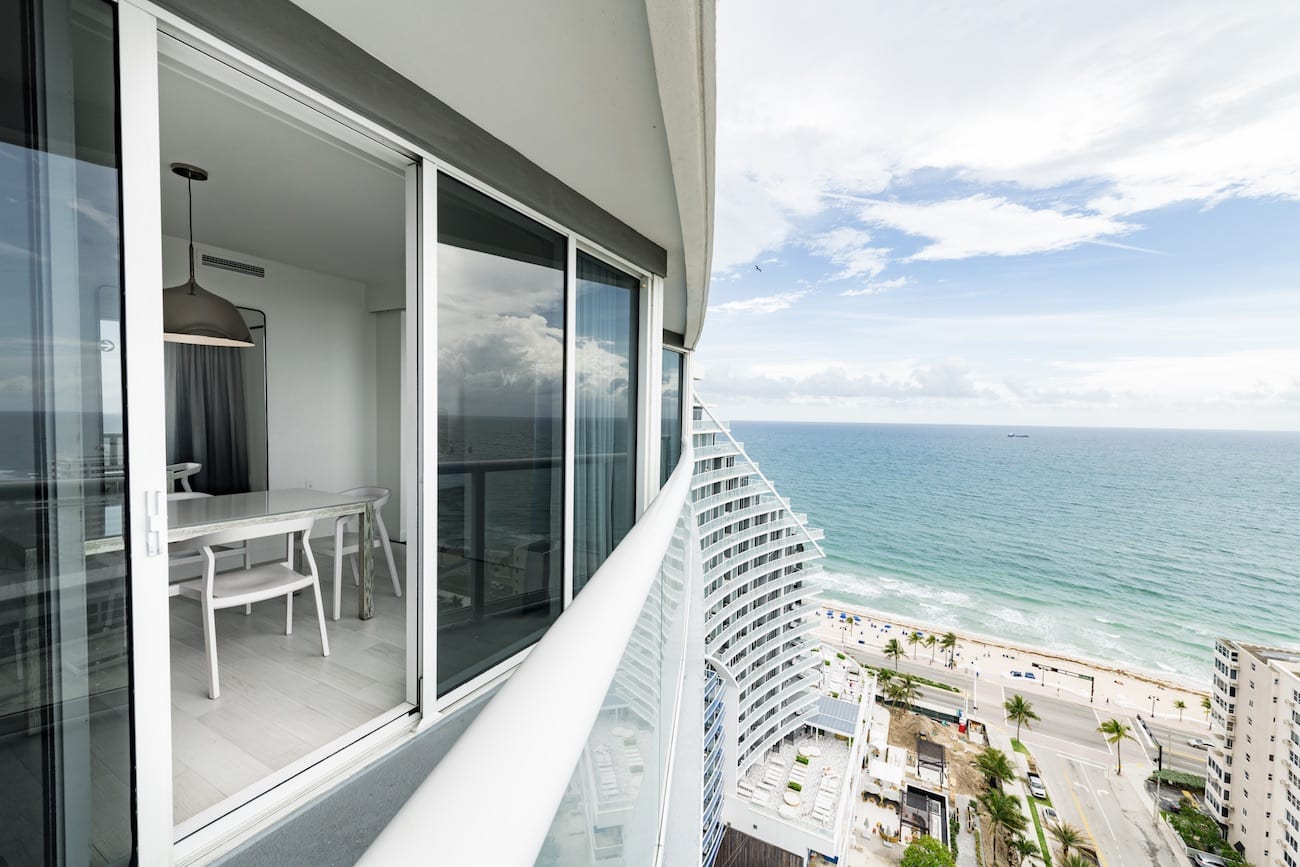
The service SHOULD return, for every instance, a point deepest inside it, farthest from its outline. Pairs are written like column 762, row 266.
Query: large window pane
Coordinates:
column 604, row 504
column 501, row 279
column 65, row 747
column 670, row 426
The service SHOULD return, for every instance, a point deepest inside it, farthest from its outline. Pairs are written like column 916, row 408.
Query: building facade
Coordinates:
column 759, row 578
column 1253, row 769
column 450, row 262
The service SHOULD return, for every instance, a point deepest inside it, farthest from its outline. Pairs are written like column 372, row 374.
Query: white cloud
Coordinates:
column 894, row 381
column 850, row 249
column 877, row 287
column 982, row 225
column 1148, row 104
column 763, row 304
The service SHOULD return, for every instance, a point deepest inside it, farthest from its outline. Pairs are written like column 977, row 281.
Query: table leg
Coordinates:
column 366, row 553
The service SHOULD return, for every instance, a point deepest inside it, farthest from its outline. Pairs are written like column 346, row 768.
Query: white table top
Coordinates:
column 190, row 518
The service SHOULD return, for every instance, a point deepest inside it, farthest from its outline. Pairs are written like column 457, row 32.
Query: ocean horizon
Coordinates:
column 1134, row 547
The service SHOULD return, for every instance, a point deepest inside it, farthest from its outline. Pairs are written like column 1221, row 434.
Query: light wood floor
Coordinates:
column 280, row 699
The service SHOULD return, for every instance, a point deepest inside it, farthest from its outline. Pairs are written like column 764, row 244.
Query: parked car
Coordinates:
column 1036, row 787
column 1050, row 817
column 1017, row 674
column 1199, row 744
column 1030, row 675
column 1208, row 859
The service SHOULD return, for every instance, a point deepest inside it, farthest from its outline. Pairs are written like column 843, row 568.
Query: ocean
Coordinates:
column 1133, row 547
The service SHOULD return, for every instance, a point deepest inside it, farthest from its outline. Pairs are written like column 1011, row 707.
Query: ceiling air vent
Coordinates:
column 232, row 265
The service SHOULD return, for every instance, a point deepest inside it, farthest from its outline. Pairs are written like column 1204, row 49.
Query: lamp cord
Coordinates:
column 189, row 195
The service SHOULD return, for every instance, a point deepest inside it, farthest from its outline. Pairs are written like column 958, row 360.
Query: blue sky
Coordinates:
column 1016, row 214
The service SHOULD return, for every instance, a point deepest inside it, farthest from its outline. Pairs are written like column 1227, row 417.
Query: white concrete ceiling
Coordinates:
column 571, row 84
column 280, row 189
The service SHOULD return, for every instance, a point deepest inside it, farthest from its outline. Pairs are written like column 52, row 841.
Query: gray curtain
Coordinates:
column 206, row 416
column 605, row 455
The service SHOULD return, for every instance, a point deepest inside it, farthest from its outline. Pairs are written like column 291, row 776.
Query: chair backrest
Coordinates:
column 186, row 495
column 381, row 496
column 259, row 530
column 181, row 473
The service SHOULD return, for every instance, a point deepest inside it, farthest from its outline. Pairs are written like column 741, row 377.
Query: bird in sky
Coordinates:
column 758, row 269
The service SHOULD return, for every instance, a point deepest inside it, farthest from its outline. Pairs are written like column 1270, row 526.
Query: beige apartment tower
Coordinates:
column 1253, row 769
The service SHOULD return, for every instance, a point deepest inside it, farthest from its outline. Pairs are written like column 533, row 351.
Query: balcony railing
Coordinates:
column 569, row 762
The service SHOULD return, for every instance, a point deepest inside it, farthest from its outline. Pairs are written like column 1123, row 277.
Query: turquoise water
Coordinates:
column 1136, row 547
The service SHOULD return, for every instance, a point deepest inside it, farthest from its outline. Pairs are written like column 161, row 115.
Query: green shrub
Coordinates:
column 834, row 694
column 1180, row 780
column 803, row 760
column 828, row 662
column 926, row 852
column 793, row 785
column 840, row 656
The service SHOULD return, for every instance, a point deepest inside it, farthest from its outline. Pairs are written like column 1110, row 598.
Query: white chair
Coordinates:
column 267, row 581
column 182, row 473
column 347, row 541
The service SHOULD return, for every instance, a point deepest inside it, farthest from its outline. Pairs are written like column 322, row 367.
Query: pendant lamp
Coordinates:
column 192, row 314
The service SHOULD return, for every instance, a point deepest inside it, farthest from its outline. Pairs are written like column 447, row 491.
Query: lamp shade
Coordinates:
column 192, row 314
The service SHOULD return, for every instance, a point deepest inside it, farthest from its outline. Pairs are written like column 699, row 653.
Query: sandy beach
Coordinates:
column 993, row 661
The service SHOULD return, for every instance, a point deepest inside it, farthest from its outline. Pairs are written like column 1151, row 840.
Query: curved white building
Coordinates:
column 759, row 579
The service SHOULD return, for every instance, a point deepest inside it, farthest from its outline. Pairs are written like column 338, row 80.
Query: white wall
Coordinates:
column 322, row 374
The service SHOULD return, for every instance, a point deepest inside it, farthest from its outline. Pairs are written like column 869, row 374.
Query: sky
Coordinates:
column 1030, row 213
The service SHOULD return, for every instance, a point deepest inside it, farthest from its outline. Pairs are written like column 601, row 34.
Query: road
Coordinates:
column 1179, row 756
column 1065, row 718
column 1076, row 763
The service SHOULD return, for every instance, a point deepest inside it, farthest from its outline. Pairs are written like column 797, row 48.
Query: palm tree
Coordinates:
column 1075, row 860
column 1115, row 732
column 1205, row 706
column 908, row 689
column 1023, row 848
column 1065, row 836
column 894, row 651
column 914, row 639
column 1019, row 711
column 949, row 643
column 1180, row 706
column 930, row 641
column 1004, row 815
column 995, row 765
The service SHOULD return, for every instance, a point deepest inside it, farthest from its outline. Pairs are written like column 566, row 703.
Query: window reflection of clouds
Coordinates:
column 501, row 336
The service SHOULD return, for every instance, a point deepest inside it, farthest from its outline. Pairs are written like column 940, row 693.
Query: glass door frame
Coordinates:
column 139, row 28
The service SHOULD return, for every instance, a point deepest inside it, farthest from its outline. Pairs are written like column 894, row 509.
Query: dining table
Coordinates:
column 191, row 518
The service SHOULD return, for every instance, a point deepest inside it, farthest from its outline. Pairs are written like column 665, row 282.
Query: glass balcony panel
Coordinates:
column 611, row 812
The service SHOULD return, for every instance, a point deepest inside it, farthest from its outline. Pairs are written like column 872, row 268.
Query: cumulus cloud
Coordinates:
column 762, row 304
column 982, row 225
column 850, row 249
column 1147, row 105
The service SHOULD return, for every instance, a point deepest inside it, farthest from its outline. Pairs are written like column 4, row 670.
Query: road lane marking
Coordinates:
column 1101, row 809
column 1034, row 737
column 1101, row 856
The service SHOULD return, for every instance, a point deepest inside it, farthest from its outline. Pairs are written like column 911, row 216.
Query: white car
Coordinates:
column 1036, row 787
column 1199, row 744
column 1050, row 817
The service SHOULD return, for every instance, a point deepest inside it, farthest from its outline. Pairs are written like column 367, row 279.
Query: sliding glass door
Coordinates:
column 65, row 706
column 604, row 507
